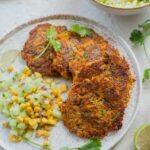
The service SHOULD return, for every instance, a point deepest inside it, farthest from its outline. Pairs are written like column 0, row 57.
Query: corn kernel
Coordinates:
column 29, row 109
column 59, row 103
column 48, row 81
column 44, row 120
column 47, row 128
column 48, row 107
column 15, row 99
column 27, row 71
column 8, row 106
column 14, row 92
column 42, row 133
column 32, row 115
column 23, row 106
column 39, row 132
column 34, row 89
column 27, row 97
column 33, row 123
column 14, row 138
column 37, row 109
column 63, row 88
column 56, row 92
column 36, row 104
column 49, row 112
column 36, row 114
column 38, row 120
column 28, row 104
column 51, row 121
column 10, row 68
column 27, row 120
column 45, row 106
column 44, row 113
column 38, row 74
column 45, row 134
column 19, row 119
column 59, row 99
column 45, row 144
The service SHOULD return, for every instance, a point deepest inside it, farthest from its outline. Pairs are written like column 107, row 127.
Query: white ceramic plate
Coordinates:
column 60, row 136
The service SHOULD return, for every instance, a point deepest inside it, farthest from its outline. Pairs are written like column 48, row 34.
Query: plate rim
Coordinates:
column 97, row 23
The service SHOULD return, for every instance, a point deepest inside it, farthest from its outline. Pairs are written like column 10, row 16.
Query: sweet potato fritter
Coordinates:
column 98, row 97
column 75, row 52
column 69, row 43
column 34, row 46
column 87, row 112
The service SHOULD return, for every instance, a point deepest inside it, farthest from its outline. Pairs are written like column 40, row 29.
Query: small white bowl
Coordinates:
column 122, row 11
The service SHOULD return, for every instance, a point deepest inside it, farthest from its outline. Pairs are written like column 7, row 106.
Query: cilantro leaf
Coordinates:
column 51, row 35
column 146, row 74
column 56, row 45
column 81, row 30
column 93, row 144
column 137, row 37
column 145, row 25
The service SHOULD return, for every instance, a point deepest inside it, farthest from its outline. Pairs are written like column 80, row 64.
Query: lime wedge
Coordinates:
column 142, row 138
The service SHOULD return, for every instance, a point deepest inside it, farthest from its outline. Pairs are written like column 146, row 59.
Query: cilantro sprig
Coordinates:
column 81, row 30
column 93, row 144
column 138, row 37
column 51, row 35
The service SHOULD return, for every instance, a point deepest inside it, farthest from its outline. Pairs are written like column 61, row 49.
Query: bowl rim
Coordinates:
column 120, row 8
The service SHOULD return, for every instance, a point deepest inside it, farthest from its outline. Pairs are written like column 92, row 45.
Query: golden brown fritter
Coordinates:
column 98, row 97
column 87, row 112
column 75, row 52
column 111, row 64
column 69, row 43
column 34, row 46
column 88, row 50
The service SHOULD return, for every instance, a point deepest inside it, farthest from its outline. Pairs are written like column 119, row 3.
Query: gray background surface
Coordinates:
column 16, row 12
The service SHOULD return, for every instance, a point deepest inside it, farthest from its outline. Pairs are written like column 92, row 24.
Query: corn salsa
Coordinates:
column 30, row 104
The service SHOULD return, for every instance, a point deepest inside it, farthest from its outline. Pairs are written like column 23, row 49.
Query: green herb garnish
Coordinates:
column 93, row 144
column 146, row 74
column 81, row 30
column 51, row 35
column 138, row 37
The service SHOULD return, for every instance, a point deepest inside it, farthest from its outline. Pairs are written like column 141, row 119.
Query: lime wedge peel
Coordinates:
column 142, row 138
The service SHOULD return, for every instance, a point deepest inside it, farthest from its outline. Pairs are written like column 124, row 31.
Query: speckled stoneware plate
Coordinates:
column 60, row 136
